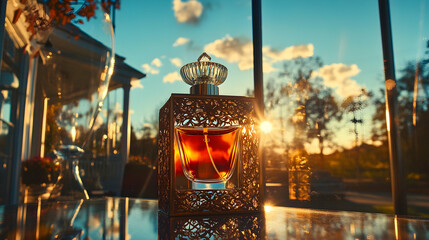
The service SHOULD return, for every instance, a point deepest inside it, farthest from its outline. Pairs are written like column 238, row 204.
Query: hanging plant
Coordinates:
column 43, row 14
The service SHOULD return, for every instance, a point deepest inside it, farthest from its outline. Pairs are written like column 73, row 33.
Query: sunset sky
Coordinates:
column 158, row 37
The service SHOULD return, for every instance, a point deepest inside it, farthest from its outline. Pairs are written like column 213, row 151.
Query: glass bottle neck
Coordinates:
column 205, row 89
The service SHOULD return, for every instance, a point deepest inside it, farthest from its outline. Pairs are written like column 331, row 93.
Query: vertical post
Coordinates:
column 30, row 107
column 396, row 162
column 43, row 131
column 126, row 128
column 108, row 143
column 126, row 131
column 3, row 5
column 19, row 130
column 258, row 76
column 123, row 221
column 3, row 190
column 257, row 54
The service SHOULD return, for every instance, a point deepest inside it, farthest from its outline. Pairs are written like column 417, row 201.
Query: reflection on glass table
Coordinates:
column 123, row 218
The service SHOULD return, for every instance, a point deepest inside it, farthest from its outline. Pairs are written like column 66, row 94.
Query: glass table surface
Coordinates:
column 123, row 218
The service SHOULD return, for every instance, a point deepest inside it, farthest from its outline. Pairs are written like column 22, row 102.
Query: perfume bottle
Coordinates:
column 208, row 159
column 208, row 154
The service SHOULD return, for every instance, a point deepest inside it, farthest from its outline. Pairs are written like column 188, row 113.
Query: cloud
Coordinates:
column 289, row 53
column 148, row 69
column 268, row 66
column 187, row 12
column 176, row 62
column 156, row 62
column 153, row 67
column 338, row 76
column 172, row 77
column 94, row 221
column 240, row 51
column 272, row 56
column 117, row 107
column 136, row 84
column 180, row 41
column 233, row 50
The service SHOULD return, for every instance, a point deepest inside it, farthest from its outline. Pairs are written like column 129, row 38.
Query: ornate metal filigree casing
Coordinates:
column 244, row 191
column 243, row 226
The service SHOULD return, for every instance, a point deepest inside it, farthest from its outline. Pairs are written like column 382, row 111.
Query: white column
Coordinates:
column 126, row 126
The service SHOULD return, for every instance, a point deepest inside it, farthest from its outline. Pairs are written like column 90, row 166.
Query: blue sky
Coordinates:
column 147, row 31
column 158, row 37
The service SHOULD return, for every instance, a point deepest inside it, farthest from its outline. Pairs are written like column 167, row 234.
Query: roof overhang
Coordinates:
column 71, row 66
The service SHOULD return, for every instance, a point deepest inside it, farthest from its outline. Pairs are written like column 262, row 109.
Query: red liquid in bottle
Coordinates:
column 208, row 154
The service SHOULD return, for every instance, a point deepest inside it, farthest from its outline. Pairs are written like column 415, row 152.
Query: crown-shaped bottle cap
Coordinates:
column 204, row 76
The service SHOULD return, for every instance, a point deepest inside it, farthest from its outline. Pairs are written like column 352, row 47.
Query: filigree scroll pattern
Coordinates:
column 163, row 158
column 241, row 226
column 231, row 227
column 219, row 112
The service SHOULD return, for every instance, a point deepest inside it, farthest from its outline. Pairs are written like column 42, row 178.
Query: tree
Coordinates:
column 44, row 14
column 145, row 148
column 413, row 87
column 354, row 104
column 413, row 116
column 314, row 106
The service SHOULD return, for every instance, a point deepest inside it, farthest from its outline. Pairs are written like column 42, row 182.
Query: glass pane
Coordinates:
column 6, row 137
column 323, row 71
column 411, row 49
column 73, row 78
column 8, row 84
